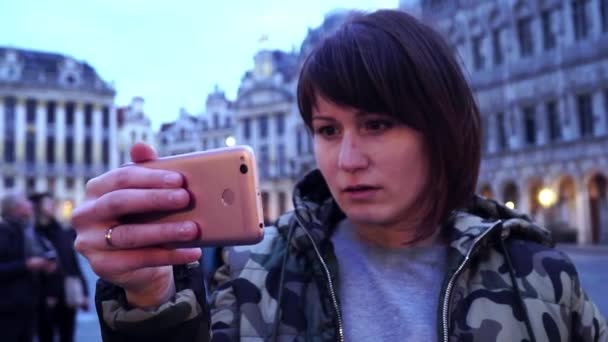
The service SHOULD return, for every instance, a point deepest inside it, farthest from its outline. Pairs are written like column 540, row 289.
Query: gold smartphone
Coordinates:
column 225, row 196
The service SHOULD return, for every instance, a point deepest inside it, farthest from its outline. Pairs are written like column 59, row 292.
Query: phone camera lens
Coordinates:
column 244, row 169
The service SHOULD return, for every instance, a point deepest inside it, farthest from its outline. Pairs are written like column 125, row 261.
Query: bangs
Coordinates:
column 347, row 70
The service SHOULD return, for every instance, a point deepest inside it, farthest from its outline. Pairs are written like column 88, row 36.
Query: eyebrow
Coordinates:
column 359, row 114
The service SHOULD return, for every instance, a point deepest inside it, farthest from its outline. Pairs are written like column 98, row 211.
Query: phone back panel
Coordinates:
column 226, row 202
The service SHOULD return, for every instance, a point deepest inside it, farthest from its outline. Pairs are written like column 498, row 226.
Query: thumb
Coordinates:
column 141, row 152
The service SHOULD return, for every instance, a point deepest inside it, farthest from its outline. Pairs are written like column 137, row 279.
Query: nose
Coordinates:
column 351, row 158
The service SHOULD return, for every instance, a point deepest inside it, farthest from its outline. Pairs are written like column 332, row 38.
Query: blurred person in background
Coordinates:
column 387, row 241
column 65, row 290
column 24, row 259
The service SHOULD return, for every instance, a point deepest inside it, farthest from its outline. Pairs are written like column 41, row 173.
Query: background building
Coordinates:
column 540, row 73
column 265, row 113
column 133, row 126
column 57, row 124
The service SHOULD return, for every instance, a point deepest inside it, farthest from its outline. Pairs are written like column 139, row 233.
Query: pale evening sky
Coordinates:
column 170, row 52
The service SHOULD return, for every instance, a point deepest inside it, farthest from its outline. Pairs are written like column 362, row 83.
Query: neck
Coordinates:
column 395, row 236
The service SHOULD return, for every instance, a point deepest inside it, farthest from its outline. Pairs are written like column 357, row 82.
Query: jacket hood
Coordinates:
column 316, row 211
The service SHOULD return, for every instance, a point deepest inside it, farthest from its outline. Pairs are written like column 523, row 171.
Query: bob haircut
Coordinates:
column 388, row 62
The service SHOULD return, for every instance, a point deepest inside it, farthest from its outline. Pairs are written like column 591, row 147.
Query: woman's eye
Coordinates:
column 376, row 126
column 326, row 131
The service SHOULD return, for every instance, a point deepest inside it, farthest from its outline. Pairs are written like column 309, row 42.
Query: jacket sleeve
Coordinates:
column 184, row 318
column 588, row 324
column 224, row 307
column 9, row 266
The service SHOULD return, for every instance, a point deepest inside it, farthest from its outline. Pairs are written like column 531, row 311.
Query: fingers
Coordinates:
column 110, row 263
column 141, row 152
column 111, row 206
column 133, row 177
column 131, row 236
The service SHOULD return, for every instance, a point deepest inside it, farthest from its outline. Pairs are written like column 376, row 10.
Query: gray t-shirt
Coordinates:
column 388, row 294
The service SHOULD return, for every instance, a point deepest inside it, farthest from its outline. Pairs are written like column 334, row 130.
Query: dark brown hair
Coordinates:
column 389, row 62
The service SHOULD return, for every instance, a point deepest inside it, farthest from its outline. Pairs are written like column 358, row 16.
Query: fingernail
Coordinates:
column 178, row 196
column 186, row 230
column 173, row 179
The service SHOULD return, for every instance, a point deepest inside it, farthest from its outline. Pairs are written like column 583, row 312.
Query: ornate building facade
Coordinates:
column 266, row 115
column 133, row 126
column 540, row 73
column 57, row 123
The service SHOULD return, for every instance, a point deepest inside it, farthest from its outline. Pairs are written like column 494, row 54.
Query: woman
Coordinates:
column 387, row 240
column 65, row 290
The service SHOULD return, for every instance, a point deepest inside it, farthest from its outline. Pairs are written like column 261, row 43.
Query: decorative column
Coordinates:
column 41, row 146
column 96, row 137
column 60, row 157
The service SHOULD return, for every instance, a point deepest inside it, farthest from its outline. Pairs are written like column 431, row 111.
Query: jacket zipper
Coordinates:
column 330, row 283
column 449, row 288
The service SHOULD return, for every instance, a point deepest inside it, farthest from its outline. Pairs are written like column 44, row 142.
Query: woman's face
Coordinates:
column 375, row 167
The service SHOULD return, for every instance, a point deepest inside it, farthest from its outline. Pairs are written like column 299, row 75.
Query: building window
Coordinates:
column 9, row 182
column 204, row 143
column 280, row 124
column 549, row 39
column 50, row 112
column 30, row 147
column 69, row 183
column 553, row 121
column 266, row 207
column 69, row 150
column 50, row 185
column 9, row 129
column 30, row 135
column 263, row 121
column 70, row 108
column 216, row 121
column 50, row 150
column 228, row 122
column 524, row 34
column 88, row 151
column 30, row 114
column 606, row 108
column 247, row 128
column 501, row 129
column 282, row 202
column 497, row 54
column 88, row 115
column 299, row 142
column 580, row 19
column 105, row 122
column 530, row 124
column 281, row 160
column 585, row 114
column 30, row 184
column 478, row 58
column 105, row 152
column 484, row 133
column 604, row 14
column 264, row 161
column 133, row 137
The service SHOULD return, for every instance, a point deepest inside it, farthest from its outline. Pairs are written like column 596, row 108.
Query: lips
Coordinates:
column 360, row 188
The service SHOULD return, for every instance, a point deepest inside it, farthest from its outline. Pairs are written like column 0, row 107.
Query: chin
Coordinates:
column 368, row 216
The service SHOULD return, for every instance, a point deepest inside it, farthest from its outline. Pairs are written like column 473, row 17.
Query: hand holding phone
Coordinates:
column 225, row 201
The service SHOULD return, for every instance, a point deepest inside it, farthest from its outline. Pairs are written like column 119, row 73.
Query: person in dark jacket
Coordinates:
column 387, row 240
column 23, row 260
column 65, row 290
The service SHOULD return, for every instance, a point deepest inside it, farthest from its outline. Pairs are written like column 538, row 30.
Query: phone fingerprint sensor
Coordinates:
column 227, row 197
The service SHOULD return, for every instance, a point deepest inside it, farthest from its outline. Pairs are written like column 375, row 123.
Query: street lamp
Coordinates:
column 230, row 141
column 547, row 197
column 66, row 210
column 510, row 205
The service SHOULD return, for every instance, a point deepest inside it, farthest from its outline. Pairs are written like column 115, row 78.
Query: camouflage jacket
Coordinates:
column 504, row 282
